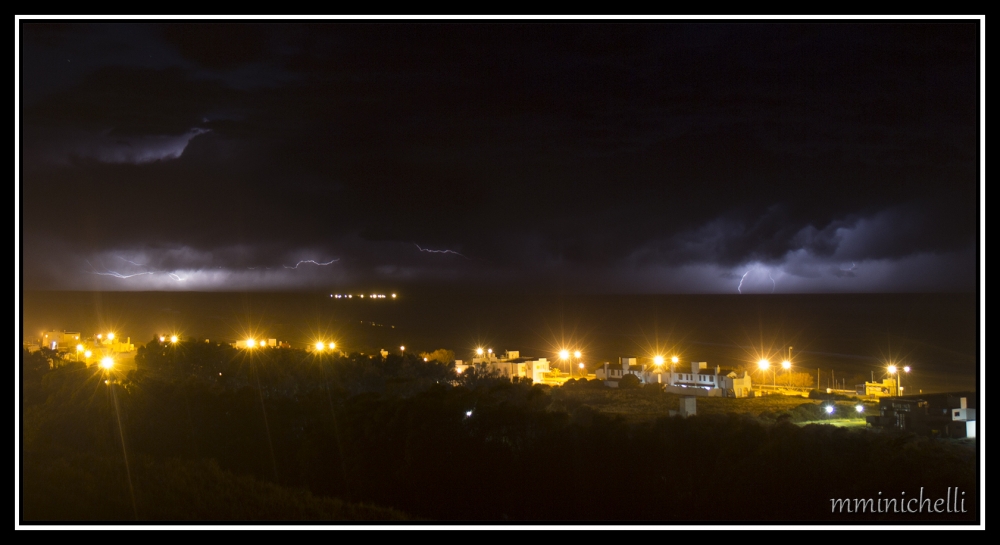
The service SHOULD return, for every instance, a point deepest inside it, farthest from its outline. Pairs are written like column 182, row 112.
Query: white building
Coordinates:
column 510, row 365
column 877, row 389
column 698, row 380
column 612, row 373
column 60, row 340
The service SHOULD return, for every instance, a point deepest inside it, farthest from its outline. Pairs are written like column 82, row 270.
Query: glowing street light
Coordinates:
column 674, row 359
column 564, row 354
column 658, row 360
column 582, row 366
column 479, row 351
column 251, row 343
column 320, row 346
column 173, row 339
column 263, row 343
column 107, row 362
column 111, row 336
column 79, row 348
column 162, row 338
column 87, row 354
column 892, row 369
column 828, row 409
column 576, row 354
column 764, row 365
column 859, row 408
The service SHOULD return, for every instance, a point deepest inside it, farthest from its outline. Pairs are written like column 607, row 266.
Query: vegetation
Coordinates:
column 222, row 434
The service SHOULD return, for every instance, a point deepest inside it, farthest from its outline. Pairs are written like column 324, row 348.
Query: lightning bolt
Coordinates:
column 739, row 288
column 312, row 262
column 129, row 261
column 438, row 251
column 177, row 278
column 773, row 285
column 116, row 274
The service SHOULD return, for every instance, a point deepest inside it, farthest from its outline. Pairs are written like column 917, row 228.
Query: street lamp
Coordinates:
column 581, row 368
column 764, row 365
column 892, row 371
column 173, row 339
column 787, row 366
column 658, row 361
column 906, row 369
column 564, row 356
column 79, row 348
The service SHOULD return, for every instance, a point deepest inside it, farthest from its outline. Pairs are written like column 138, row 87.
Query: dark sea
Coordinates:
column 842, row 337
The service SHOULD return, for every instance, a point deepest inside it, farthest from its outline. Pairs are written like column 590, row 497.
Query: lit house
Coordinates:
column 60, row 340
column 112, row 344
column 510, row 365
column 701, row 381
column 613, row 373
column 877, row 389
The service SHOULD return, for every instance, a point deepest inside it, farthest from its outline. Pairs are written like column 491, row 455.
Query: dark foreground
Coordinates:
column 201, row 432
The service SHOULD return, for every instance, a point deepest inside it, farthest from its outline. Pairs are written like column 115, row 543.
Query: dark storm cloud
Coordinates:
column 538, row 151
column 218, row 46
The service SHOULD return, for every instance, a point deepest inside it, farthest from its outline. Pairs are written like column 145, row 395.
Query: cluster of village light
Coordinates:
column 362, row 296
column 763, row 364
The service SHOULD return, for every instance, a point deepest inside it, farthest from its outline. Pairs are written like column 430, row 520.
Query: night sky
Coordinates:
column 666, row 157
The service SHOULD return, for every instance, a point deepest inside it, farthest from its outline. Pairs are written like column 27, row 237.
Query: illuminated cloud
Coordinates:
column 106, row 147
